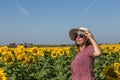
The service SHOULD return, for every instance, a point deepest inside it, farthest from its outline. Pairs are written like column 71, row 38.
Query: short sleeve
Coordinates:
column 91, row 51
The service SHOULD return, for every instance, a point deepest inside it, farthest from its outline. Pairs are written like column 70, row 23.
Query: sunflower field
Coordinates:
column 53, row 63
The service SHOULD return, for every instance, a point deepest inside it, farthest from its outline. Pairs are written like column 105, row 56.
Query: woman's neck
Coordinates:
column 81, row 47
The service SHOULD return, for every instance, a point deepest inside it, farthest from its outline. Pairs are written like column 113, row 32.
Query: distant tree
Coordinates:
column 12, row 45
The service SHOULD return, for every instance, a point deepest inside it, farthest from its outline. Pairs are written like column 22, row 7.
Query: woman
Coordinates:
column 82, row 65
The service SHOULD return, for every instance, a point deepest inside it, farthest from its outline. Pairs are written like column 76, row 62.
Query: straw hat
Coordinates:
column 75, row 30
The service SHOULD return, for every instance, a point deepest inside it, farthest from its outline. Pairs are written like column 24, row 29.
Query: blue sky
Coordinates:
column 49, row 21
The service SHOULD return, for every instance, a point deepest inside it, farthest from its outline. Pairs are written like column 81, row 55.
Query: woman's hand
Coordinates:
column 89, row 35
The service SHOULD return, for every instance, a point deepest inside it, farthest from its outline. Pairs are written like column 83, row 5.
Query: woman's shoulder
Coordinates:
column 90, row 50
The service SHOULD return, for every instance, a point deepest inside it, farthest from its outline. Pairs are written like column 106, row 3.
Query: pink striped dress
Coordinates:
column 82, row 65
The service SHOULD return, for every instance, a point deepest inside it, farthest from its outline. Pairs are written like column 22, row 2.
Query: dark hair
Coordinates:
column 88, row 43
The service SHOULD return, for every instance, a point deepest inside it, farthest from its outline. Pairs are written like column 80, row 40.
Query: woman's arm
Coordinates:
column 97, row 50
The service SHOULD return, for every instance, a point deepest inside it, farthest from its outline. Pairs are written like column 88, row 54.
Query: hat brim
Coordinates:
column 72, row 33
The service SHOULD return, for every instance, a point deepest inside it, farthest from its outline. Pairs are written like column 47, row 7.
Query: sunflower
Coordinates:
column 117, row 69
column 54, row 54
column 7, row 57
column 21, row 57
column 34, row 50
column 61, row 52
column 2, row 74
column 67, row 51
column 41, row 53
column 110, row 73
column 116, row 65
column 4, row 49
column 20, row 48
column 28, row 59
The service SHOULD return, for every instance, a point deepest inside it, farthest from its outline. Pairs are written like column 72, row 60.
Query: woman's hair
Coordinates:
column 88, row 43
